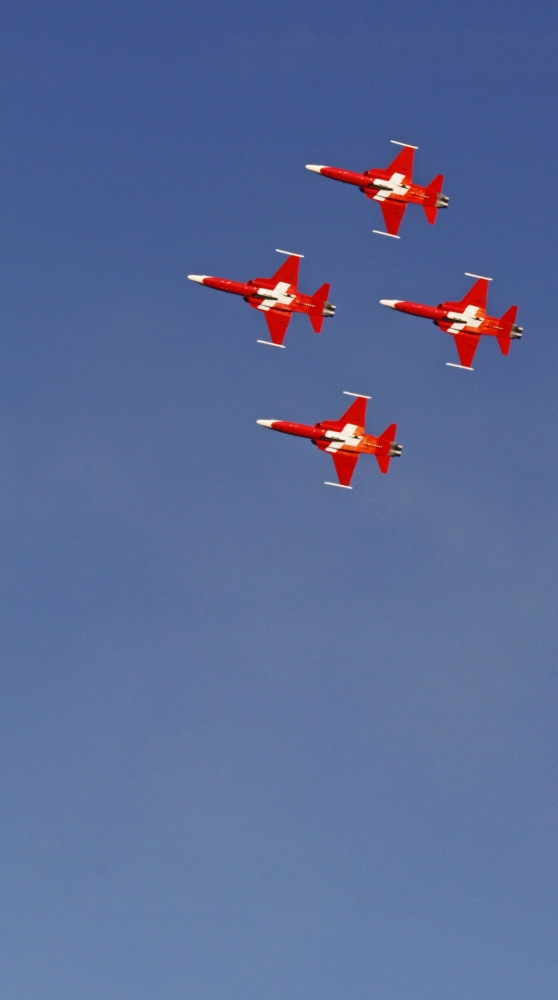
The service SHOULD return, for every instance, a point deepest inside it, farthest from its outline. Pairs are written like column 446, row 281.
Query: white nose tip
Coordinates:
column 200, row 278
column 390, row 302
column 312, row 166
column 266, row 423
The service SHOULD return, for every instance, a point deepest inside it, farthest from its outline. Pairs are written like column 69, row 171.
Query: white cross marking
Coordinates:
column 467, row 318
column 275, row 296
column 346, row 436
column 393, row 186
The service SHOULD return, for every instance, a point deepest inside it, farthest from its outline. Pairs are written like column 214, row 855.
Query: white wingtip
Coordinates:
column 314, row 168
column 340, row 485
column 200, row 278
column 266, row 423
column 390, row 302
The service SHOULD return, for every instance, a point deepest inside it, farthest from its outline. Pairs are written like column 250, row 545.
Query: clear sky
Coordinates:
column 262, row 739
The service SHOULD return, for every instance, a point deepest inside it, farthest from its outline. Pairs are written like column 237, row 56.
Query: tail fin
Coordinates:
column 507, row 321
column 322, row 293
column 317, row 319
column 316, row 322
column 403, row 163
column 288, row 271
column 510, row 316
column 432, row 192
column 386, row 439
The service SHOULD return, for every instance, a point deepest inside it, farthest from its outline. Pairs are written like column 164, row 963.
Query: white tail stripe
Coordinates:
column 289, row 254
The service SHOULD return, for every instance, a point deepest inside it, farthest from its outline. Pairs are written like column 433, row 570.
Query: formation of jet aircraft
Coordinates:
column 345, row 439
column 466, row 320
column 392, row 188
column 278, row 298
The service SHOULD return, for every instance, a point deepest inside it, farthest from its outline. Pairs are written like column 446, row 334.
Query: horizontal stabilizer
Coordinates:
column 316, row 321
column 320, row 297
column 508, row 322
column 510, row 316
column 504, row 343
column 386, row 439
column 431, row 212
column 322, row 293
column 389, row 434
column 434, row 189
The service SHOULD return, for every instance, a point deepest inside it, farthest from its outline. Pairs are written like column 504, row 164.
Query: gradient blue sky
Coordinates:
column 262, row 739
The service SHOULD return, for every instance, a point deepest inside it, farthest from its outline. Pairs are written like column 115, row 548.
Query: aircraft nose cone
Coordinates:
column 314, row 168
column 200, row 278
column 389, row 302
column 266, row 423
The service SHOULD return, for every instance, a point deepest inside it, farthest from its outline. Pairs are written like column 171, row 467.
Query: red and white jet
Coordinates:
column 277, row 297
column 345, row 439
column 466, row 320
column 393, row 188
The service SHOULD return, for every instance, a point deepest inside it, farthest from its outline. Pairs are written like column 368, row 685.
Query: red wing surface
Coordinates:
column 476, row 296
column 288, row 272
column 277, row 323
column 345, row 466
column 466, row 344
column 403, row 163
column 393, row 212
column 356, row 414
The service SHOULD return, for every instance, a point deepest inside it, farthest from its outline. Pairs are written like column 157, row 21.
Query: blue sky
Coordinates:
column 261, row 738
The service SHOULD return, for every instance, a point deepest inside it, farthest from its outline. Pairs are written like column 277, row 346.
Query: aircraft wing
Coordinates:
column 393, row 212
column 466, row 344
column 277, row 323
column 344, row 466
column 288, row 271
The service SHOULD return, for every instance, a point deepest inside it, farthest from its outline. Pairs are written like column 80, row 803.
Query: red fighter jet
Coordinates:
column 393, row 188
column 466, row 320
column 277, row 297
column 345, row 439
